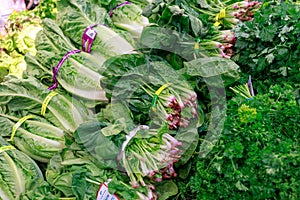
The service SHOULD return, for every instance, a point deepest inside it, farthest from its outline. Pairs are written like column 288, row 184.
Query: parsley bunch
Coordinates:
column 257, row 156
column 268, row 47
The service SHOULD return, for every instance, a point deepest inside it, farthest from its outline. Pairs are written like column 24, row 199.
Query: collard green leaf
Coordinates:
column 90, row 137
column 189, row 138
column 166, row 189
column 213, row 67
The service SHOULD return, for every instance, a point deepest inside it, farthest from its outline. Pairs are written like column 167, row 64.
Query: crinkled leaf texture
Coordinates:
column 211, row 67
column 37, row 138
column 16, row 168
column 76, row 15
column 28, row 94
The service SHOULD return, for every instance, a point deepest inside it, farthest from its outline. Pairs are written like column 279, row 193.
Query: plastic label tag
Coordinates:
column 91, row 33
column 103, row 193
column 88, row 38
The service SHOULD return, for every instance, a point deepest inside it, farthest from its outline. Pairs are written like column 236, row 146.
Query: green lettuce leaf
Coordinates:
column 28, row 94
column 37, row 138
column 76, row 15
column 78, row 74
column 16, row 169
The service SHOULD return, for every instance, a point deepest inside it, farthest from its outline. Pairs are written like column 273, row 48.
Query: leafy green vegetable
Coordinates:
column 21, row 29
column 257, row 154
column 39, row 189
column 273, row 57
column 13, row 64
column 166, row 190
column 75, row 16
column 16, row 170
column 37, row 138
column 75, row 173
column 28, row 94
column 78, row 74
column 25, row 39
column 213, row 67
column 129, row 17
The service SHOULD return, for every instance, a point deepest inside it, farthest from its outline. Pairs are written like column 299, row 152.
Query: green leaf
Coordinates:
column 28, row 95
column 166, row 189
column 16, row 169
column 75, row 16
column 196, row 25
column 189, row 138
column 240, row 186
column 37, row 138
column 211, row 67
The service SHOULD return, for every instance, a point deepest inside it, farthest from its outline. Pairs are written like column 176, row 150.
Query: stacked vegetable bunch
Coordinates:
column 52, row 113
column 110, row 100
column 230, row 13
column 211, row 23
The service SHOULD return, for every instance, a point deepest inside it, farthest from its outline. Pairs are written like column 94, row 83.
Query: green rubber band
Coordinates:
column 6, row 148
column 46, row 102
column 18, row 124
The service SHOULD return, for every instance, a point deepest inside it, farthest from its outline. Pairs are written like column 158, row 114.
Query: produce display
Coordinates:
column 150, row 100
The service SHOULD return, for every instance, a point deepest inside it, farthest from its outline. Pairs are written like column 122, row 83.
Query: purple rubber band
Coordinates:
column 118, row 6
column 55, row 69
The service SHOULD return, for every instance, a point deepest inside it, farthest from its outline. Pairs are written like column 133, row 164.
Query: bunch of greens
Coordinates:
column 17, row 169
column 144, row 157
column 257, row 154
column 21, row 30
column 75, row 16
column 29, row 94
column 37, row 138
column 74, row 173
column 201, row 20
column 228, row 13
column 149, row 153
column 151, row 90
column 273, row 57
column 77, row 75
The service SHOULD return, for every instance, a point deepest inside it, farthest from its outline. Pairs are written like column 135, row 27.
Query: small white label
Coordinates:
column 103, row 193
column 91, row 33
